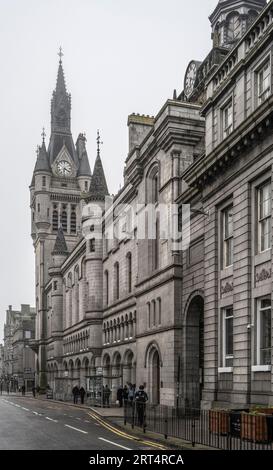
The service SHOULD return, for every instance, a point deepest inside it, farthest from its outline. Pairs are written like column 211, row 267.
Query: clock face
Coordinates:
column 64, row 168
column 190, row 78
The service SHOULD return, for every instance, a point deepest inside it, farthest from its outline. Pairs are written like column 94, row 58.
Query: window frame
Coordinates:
column 226, row 239
column 259, row 310
column 226, row 131
column 225, row 356
column 260, row 219
column 261, row 96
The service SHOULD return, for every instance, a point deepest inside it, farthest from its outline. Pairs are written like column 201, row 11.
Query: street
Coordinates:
column 33, row 424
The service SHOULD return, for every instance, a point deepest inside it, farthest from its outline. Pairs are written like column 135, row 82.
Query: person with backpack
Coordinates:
column 141, row 398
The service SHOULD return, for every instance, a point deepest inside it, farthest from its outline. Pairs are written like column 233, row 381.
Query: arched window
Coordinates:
column 73, row 222
column 148, row 315
column 152, row 185
column 129, row 271
column 116, row 281
column 55, row 220
column 106, row 277
column 64, row 220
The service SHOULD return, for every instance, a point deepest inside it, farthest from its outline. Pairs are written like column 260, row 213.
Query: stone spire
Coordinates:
column 42, row 163
column 98, row 187
column 60, row 247
column 61, row 103
column 61, row 119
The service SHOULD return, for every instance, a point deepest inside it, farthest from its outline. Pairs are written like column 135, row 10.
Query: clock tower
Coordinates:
column 61, row 175
column 231, row 19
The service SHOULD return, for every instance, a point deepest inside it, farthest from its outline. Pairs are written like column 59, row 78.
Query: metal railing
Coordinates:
column 226, row 430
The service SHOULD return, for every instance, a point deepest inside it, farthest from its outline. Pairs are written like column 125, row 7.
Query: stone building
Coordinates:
column 193, row 325
column 19, row 359
column 2, row 370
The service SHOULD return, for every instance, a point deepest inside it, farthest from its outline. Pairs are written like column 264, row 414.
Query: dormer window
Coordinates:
column 234, row 27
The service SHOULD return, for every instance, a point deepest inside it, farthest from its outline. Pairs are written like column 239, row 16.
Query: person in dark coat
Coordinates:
column 23, row 390
column 82, row 395
column 76, row 393
column 141, row 398
column 120, row 396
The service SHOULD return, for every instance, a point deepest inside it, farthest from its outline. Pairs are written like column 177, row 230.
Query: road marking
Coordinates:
column 124, row 435
column 35, row 413
column 79, row 419
column 50, row 419
column 86, row 421
column 26, row 409
column 114, row 443
column 76, row 429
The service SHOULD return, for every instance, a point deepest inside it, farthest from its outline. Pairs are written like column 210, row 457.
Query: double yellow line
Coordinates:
column 124, row 435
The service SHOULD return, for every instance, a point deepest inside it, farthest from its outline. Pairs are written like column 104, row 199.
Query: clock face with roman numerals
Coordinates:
column 64, row 168
column 190, row 78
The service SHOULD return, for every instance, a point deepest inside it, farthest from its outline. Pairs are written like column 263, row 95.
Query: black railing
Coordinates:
column 227, row 430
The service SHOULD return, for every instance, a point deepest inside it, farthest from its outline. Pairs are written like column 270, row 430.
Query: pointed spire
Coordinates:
column 61, row 103
column 60, row 247
column 61, row 86
column 42, row 162
column 98, row 187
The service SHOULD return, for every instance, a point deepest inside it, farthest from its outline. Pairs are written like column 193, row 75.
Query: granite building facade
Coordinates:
column 195, row 326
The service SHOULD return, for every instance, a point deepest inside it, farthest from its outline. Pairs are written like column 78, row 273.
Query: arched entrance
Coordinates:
column 194, row 352
column 129, row 368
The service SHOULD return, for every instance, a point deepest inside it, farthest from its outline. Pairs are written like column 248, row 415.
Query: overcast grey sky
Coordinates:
column 121, row 56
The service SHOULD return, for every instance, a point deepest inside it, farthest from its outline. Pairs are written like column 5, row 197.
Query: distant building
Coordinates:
column 19, row 359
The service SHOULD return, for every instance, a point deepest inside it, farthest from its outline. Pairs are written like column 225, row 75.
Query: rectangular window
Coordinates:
column 227, row 340
column 92, row 244
column 44, row 181
column 27, row 334
column 227, row 256
column 264, row 217
column 227, row 119
column 263, row 82
column 263, row 332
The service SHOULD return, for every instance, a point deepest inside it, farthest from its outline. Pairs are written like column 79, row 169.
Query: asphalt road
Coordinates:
column 32, row 424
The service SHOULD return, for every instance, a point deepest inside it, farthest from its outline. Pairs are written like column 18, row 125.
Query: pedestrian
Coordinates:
column 141, row 398
column 106, row 396
column 23, row 390
column 34, row 392
column 38, row 389
column 131, row 394
column 125, row 395
column 120, row 396
column 76, row 393
column 82, row 394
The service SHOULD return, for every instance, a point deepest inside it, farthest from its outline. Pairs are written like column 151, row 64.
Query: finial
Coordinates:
column 99, row 143
column 37, row 150
column 60, row 54
column 43, row 135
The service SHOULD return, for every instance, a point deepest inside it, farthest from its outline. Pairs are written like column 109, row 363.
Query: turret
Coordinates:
column 92, row 217
column 231, row 19
column 40, row 191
